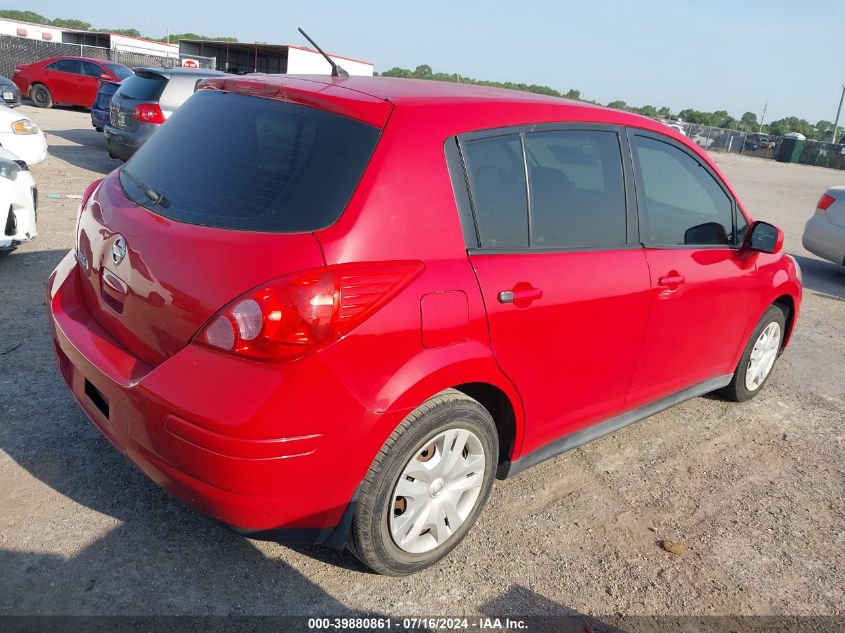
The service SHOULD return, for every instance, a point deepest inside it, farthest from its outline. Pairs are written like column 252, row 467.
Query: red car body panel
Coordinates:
column 265, row 445
column 66, row 88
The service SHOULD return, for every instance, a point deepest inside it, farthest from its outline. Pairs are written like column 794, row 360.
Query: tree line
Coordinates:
column 748, row 121
column 80, row 25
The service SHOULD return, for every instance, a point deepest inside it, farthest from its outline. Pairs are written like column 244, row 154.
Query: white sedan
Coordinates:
column 18, row 202
column 824, row 233
column 21, row 136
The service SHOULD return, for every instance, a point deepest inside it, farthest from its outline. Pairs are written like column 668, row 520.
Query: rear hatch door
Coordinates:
column 141, row 88
column 224, row 197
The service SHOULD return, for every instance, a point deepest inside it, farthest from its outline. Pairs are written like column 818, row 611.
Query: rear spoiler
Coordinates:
column 331, row 97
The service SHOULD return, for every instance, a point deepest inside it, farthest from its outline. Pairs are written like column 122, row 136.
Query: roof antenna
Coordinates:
column 337, row 71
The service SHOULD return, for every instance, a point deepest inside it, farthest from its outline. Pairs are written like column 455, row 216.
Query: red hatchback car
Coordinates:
column 334, row 310
column 66, row 80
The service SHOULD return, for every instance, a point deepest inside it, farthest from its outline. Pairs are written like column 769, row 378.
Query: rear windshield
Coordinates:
column 120, row 71
column 146, row 87
column 241, row 162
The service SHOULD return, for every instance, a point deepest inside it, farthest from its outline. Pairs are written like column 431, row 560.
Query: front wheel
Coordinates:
column 41, row 97
column 426, row 487
column 759, row 357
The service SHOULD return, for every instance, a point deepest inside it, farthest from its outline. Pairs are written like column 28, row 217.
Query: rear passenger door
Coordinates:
column 705, row 290
column 551, row 234
column 64, row 80
column 90, row 83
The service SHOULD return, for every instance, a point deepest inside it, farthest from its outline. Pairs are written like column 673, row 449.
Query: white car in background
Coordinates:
column 21, row 136
column 824, row 233
column 18, row 202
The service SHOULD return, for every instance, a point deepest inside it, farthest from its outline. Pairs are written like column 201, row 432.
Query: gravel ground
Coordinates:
column 753, row 493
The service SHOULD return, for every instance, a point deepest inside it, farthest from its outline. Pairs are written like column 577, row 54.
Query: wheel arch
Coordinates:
column 482, row 381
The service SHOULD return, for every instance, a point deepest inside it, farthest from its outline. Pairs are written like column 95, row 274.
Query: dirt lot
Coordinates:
column 754, row 492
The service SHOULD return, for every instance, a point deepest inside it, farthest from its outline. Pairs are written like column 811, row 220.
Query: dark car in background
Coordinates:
column 144, row 101
column 754, row 142
column 102, row 104
column 9, row 92
column 66, row 80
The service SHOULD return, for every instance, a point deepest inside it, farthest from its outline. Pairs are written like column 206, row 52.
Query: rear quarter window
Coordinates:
column 248, row 163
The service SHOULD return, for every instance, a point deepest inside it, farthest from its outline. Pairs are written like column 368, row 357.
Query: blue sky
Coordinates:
column 704, row 55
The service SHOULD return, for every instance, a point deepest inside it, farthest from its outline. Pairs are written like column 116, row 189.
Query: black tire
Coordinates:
column 370, row 539
column 41, row 96
column 737, row 390
column 98, row 129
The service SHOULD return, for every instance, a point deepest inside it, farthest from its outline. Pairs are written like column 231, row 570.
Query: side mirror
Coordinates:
column 105, row 76
column 764, row 238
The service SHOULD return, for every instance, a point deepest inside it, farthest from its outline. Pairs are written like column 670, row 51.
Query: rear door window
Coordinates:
column 496, row 172
column 577, row 189
column 91, row 69
column 241, row 162
column 67, row 66
column 680, row 203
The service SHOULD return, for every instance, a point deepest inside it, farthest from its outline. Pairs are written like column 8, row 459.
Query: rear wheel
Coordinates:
column 759, row 357
column 426, row 487
column 40, row 95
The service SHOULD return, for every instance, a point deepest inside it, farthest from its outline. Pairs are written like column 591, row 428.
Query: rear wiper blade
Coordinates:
column 156, row 197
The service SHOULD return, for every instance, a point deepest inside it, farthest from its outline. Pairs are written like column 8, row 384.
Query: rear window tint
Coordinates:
column 147, row 87
column 241, row 162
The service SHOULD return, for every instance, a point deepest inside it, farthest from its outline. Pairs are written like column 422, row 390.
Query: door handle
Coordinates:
column 671, row 281
column 522, row 295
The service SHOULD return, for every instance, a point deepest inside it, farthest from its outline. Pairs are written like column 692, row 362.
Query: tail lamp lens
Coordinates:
column 148, row 113
column 825, row 201
column 296, row 314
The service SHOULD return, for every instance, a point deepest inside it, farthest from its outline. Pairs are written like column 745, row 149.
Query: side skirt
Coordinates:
column 579, row 438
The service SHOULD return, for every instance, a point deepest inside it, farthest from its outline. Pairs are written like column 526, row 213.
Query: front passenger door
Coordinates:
column 703, row 287
column 563, row 277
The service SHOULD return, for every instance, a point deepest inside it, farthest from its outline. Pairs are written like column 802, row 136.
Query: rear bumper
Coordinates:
column 250, row 444
column 825, row 239
column 99, row 119
column 123, row 144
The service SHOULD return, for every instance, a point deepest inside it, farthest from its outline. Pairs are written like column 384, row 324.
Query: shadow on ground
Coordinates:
column 88, row 150
column 822, row 278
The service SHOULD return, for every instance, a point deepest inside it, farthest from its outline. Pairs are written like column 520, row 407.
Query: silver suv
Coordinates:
column 144, row 101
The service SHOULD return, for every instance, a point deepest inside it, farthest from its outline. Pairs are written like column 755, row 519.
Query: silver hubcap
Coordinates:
column 437, row 491
column 763, row 356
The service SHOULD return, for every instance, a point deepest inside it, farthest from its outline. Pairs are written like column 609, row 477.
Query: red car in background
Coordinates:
column 335, row 309
column 66, row 80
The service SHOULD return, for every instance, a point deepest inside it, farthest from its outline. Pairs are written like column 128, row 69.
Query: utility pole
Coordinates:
column 838, row 112
column 762, row 117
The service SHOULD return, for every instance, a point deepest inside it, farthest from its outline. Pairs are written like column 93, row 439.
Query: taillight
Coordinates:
column 294, row 315
column 825, row 201
column 148, row 113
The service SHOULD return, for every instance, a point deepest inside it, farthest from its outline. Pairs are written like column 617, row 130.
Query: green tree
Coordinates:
column 127, row 32
column 70, row 23
column 23, row 16
column 749, row 122
column 618, row 105
column 573, row 94
column 423, row 71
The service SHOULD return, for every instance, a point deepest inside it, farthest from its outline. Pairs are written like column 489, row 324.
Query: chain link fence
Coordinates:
column 817, row 153
column 714, row 138
column 15, row 51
